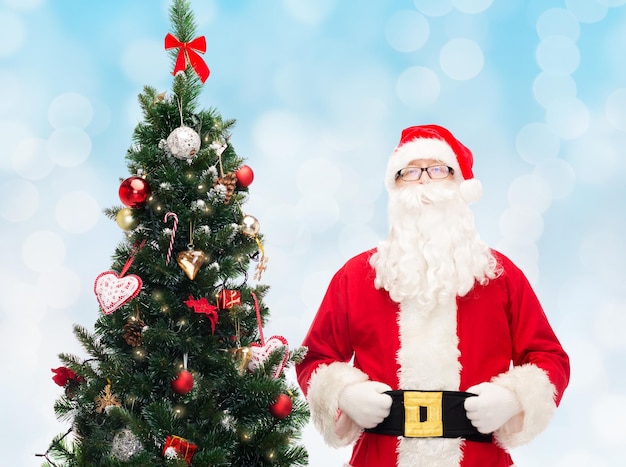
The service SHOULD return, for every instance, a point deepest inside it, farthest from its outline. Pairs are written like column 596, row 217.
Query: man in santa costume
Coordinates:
column 431, row 350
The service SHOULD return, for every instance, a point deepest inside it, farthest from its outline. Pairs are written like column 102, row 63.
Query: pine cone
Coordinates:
column 133, row 332
column 229, row 181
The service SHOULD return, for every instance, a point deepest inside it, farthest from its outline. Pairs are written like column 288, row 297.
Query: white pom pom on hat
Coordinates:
column 435, row 142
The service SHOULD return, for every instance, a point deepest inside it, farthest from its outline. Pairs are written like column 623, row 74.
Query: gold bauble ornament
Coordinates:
column 242, row 357
column 250, row 225
column 125, row 219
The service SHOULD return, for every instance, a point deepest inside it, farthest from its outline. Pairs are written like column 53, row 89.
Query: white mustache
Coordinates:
column 427, row 194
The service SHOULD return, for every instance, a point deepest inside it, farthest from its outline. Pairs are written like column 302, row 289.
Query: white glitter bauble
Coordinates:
column 125, row 445
column 183, row 143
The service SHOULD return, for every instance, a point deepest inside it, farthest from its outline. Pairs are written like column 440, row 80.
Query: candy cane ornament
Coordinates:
column 169, row 250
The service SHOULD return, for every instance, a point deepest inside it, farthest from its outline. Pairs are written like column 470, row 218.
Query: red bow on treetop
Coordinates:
column 188, row 53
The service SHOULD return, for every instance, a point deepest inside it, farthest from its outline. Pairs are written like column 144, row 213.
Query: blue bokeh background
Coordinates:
column 321, row 90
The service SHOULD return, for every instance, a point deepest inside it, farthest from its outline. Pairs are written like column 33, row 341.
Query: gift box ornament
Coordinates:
column 179, row 448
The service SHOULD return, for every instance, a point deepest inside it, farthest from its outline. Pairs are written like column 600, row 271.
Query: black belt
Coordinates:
column 429, row 414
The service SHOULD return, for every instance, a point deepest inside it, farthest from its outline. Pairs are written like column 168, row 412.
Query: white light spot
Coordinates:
column 25, row 4
column 607, row 414
column 548, row 87
column 12, row 133
column 558, row 22
column 43, row 251
column 133, row 112
column 603, row 251
column 318, row 213
column 591, row 372
column 532, row 192
column 69, row 146
column 77, row 212
column 11, row 93
column 521, row 224
column 19, row 200
column 21, row 303
column 12, row 33
column 60, row 288
column 558, row 55
column 587, row 11
column 461, row 59
column 430, row 8
column 568, row 118
column 30, row 159
column 142, row 60
column 559, row 175
column 359, row 91
column 205, row 12
column 523, row 253
column 284, row 224
column 606, row 160
column 318, row 176
column 407, row 31
column 471, row 7
column 610, row 324
column 281, row 135
column 615, row 109
column 579, row 457
column 418, row 87
column 101, row 118
column 309, row 11
column 536, row 142
column 354, row 238
column 70, row 110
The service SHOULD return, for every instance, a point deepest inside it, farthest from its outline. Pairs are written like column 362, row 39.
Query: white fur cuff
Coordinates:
column 325, row 385
column 535, row 394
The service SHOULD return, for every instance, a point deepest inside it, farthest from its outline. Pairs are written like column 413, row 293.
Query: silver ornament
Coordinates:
column 125, row 445
column 183, row 143
column 250, row 225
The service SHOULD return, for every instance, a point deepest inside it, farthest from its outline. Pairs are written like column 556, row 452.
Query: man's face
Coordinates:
column 424, row 171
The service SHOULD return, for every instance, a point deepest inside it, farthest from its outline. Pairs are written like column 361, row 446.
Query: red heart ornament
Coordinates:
column 112, row 291
column 260, row 353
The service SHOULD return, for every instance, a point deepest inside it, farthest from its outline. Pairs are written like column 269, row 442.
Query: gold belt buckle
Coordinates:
column 423, row 414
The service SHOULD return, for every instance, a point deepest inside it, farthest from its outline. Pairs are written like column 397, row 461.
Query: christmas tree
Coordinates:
column 178, row 371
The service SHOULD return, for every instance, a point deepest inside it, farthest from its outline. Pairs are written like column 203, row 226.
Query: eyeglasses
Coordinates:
column 435, row 172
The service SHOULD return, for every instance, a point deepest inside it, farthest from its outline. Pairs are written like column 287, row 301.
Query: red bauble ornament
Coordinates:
column 245, row 175
column 134, row 192
column 183, row 383
column 282, row 407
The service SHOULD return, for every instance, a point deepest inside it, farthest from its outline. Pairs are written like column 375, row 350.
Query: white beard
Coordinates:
column 433, row 252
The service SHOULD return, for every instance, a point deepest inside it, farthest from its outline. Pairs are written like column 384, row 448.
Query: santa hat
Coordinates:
column 435, row 142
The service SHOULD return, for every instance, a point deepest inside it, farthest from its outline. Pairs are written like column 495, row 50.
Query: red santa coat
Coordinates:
column 471, row 340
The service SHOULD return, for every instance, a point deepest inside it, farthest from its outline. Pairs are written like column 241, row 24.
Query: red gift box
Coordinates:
column 183, row 449
column 228, row 298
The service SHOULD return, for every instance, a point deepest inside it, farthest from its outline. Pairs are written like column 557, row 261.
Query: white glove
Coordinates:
column 365, row 403
column 492, row 407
